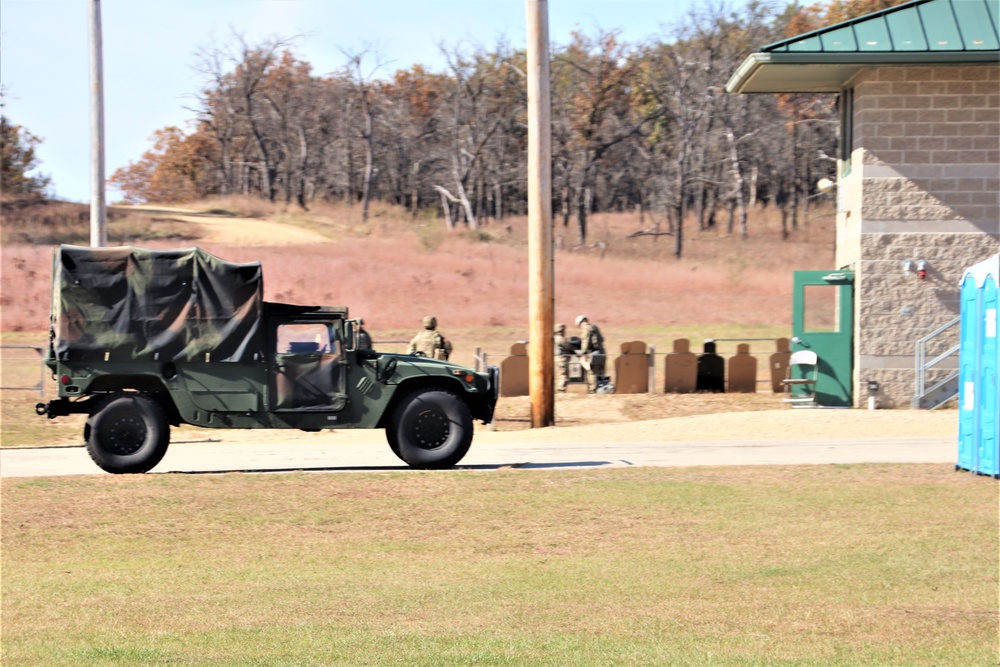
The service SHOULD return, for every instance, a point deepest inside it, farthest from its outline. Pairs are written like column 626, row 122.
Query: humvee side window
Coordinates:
column 308, row 368
column 306, row 339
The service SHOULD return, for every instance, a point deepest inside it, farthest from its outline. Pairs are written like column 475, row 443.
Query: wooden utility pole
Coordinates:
column 541, row 273
column 98, row 215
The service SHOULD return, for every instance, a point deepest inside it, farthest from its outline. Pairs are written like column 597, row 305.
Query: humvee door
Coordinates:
column 309, row 368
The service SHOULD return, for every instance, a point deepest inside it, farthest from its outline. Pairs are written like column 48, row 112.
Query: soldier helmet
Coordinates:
column 580, row 319
column 430, row 322
column 560, row 328
column 361, row 321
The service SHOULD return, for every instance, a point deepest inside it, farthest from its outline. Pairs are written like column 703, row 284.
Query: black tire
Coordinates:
column 390, row 436
column 127, row 434
column 431, row 430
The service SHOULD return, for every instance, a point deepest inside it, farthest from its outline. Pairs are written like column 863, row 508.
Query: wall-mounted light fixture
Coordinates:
column 920, row 265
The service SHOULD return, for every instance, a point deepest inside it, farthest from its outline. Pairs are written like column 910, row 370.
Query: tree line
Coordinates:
column 643, row 126
column 18, row 159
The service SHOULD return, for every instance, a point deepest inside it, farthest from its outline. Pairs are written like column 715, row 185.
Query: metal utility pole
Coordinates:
column 541, row 273
column 98, row 214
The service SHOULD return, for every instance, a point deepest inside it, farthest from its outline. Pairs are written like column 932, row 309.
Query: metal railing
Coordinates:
column 5, row 360
column 922, row 365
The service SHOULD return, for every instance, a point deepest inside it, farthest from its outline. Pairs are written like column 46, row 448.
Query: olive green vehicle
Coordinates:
column 144, row 339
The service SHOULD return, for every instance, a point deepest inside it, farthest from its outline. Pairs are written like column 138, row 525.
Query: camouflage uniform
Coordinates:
column 430, row 342
column 592, row 347
column 562, row 350
column 364, row 338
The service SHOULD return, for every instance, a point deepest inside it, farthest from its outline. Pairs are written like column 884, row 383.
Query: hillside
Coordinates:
column 394, row 270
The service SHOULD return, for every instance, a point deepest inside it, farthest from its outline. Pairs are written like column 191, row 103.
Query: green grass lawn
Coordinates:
column 798, row 565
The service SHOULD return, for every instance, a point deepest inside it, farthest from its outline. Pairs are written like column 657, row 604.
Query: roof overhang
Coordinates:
column 831, row 72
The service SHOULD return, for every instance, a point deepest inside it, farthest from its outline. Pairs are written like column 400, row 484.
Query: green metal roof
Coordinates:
column 921, row 25
column 922, row 32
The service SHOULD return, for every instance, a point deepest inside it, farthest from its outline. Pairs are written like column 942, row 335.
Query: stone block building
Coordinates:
column 918, row 188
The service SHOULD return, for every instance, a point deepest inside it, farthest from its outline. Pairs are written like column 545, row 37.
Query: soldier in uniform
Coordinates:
column 429, row 342
column 562, row 349
column 364, row 338
column 592, row 347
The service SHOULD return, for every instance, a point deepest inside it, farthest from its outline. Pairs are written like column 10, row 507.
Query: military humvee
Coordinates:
column 144, row 339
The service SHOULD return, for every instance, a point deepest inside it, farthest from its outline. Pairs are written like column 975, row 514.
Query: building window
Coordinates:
column 821, row 308
column 312, row 338
column 845, row 105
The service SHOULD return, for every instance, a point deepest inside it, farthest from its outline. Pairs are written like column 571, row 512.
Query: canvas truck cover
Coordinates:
column 135, row 304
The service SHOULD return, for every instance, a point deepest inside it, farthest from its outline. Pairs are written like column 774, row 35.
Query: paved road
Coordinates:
column 328, row 455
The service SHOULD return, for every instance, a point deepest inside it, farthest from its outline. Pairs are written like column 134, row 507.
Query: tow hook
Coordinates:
column 41, row 408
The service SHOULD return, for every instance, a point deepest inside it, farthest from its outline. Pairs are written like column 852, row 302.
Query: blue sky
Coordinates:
column 150, row 46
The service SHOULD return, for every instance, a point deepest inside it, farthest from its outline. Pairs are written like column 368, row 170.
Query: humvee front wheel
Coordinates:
column 431, row 430
column 127, row 434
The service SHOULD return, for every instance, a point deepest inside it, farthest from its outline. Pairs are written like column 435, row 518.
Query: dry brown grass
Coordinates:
column 19, row 425
column 43, row 222
column 396, row 269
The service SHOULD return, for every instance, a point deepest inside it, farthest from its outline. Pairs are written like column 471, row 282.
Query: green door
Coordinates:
column 823, row 321
column 308, row 365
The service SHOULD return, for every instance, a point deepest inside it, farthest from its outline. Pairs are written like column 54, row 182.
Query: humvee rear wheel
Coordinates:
column 431, row 429
column 127, row 434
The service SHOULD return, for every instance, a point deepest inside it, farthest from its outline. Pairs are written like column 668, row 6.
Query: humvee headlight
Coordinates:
column 465, row 375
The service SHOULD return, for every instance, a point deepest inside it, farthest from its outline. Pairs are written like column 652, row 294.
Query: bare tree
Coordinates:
column 364, row 84
column 634, row 128
column 603, row 78
column 477, row 115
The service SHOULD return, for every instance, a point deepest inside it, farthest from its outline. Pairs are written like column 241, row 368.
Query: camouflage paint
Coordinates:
column 135, row 304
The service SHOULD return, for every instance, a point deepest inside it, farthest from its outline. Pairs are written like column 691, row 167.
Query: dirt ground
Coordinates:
column 240, row 231
column 582, row 418
column 701, row 417
column 607, row 418
column 781, row 423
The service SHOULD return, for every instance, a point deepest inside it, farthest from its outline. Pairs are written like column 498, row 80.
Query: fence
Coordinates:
column 18, row 369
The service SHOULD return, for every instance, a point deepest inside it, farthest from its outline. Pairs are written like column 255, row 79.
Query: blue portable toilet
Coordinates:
column 979, row 402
